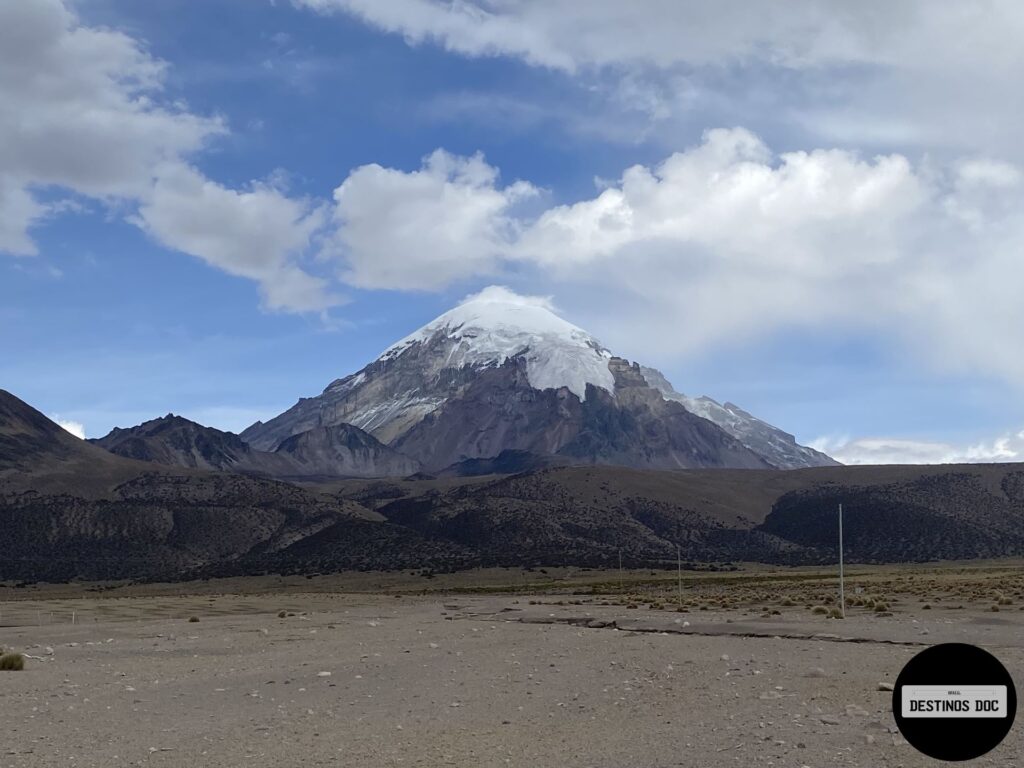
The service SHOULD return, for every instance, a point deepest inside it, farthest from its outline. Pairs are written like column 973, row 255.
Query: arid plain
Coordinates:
column 492, row 668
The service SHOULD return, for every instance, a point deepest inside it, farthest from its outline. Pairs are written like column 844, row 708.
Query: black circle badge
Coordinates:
column 954, row 702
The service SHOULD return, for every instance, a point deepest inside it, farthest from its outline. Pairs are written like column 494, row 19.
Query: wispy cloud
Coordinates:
column 865, row 73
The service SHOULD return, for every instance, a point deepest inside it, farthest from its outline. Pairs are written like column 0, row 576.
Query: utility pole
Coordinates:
column 842, row 586
column 620, row 570
column 679, row 573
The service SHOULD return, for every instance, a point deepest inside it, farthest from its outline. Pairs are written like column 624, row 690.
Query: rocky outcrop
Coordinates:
column 638, row 428
column 343, row 451
column 177, row 442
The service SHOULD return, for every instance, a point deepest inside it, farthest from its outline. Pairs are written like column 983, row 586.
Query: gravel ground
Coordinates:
column 377, row 681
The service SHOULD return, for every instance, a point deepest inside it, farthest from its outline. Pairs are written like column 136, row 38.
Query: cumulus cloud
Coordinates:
column 730, row 195
column 853, row 72
column 79, row 109
column 74, row 427
column 255, row 233
column 423, row 229
column 83, row 110
column 886, row 450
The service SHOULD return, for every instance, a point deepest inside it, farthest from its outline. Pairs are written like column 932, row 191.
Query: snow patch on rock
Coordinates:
column 490, row 327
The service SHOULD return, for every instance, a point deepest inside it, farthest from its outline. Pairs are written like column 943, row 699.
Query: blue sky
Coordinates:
column 213, row 208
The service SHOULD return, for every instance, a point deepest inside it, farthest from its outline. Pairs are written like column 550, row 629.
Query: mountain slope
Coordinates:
column 72, row 510
column 341, row 450
column 34, row 449
column 586, row 515
column 779, row 448
column 502, row 372
column 639, row 428
column 175, row 441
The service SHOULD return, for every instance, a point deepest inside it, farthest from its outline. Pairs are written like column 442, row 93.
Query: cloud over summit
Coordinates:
column 726, row 240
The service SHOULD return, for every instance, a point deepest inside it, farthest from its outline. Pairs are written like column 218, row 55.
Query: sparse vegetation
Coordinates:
column 12, row 662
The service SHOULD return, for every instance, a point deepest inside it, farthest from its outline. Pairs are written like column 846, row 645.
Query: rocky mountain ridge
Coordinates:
column 778, row 447
column 341, row 450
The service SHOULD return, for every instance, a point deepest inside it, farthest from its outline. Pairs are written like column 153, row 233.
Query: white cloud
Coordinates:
column 729, row 194
column 871, row 72
column 18, row 212
column 886, row 450
column 80, row 108
column 83, row 110
column 74, row 427
column 424, row 229
column 559, row 36
column 256, row 233
column 503, row 295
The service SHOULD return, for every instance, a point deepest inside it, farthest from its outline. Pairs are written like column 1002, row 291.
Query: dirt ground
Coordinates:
column 458, row 678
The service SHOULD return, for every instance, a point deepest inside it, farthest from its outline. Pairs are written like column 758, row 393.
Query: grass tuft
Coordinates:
column 12, row 662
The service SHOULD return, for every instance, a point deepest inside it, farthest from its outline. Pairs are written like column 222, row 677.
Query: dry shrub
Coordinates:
column 12, row 662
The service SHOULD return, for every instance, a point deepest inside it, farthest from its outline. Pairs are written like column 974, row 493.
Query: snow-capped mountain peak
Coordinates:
column 504, row 372
column 490, row 327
